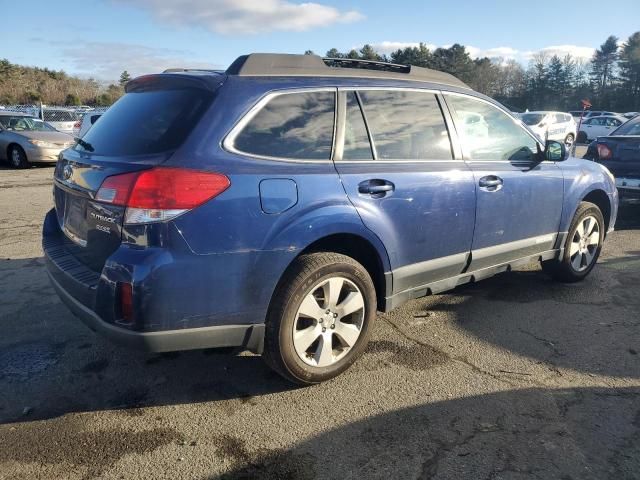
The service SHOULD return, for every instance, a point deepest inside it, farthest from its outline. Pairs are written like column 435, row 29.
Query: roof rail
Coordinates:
column 178, row 70
column 366, row 64
column 285, row 65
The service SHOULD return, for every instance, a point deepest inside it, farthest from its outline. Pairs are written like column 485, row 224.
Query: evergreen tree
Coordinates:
column 630, row 74
column 124, row 78
column 602, row 68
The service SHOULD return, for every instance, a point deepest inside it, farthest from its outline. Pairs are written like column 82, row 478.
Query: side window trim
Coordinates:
column 228, row 142
column 465, row 153
column 341, row 125
column 453, row 138
column 372, row 143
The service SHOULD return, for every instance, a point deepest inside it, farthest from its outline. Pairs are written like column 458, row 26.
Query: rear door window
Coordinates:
column 406, row 125
column 146, row 122
column 291, row 126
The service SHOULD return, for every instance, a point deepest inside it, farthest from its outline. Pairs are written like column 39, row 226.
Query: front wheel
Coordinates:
column 320, row 318
column 568, row 141
column 582, row 246
column 17, row 157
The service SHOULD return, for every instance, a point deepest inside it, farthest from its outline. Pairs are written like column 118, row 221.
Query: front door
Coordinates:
column 395, row 160
column 519, row 199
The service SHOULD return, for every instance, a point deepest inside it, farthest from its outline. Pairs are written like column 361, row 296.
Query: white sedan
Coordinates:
column 602, row 126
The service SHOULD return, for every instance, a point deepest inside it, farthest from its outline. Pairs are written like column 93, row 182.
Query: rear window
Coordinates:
column 532, row 118
column 291, row 126
column 632, row 127
column 149, row 122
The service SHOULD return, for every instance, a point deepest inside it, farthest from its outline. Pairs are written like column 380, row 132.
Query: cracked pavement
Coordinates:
column 513, row 377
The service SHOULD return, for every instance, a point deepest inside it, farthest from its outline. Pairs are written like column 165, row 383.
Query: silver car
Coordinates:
column 25, row 139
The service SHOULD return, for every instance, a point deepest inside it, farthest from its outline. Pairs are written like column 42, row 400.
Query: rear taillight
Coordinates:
column 160, row 194
column 604, row 152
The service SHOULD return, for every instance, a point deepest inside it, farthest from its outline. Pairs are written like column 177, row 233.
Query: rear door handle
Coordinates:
column 491, row 183
column 375, row 187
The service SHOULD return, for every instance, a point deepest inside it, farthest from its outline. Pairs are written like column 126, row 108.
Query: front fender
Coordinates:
column 581, row 178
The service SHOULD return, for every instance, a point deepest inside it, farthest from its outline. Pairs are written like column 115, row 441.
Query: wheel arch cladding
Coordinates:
column 362, row 250
column 601, row 200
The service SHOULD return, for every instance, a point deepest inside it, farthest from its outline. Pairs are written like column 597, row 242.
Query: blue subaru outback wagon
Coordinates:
column 277, row 205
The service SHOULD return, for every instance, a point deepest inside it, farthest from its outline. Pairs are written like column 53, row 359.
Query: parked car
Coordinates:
column 630, row 114
column 25, row 139
column 557, row 126
column 620, row 153
column 278, row 205
column 62, row 120
column 598, row 126
column 88, row 119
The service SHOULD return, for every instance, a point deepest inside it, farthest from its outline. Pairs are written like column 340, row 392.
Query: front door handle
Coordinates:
column 491, row 183
column 375, row 187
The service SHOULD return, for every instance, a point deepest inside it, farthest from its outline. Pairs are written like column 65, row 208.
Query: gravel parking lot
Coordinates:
column 514, row 377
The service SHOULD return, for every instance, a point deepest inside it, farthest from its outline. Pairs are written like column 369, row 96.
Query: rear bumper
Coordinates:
column 167, row 325
column 250, row 337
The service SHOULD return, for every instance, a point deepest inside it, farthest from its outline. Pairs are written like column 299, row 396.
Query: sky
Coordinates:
column 101, row 38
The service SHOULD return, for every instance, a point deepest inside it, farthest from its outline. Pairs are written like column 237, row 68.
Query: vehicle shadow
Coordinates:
column 587, row 433
column 51, row 364
column 591, row 326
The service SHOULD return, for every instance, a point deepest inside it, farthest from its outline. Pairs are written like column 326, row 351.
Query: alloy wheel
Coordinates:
column 328, row 322
column 585, row 243
column 15, row 157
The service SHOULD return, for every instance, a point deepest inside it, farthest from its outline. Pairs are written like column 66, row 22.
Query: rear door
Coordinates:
column 394, row 156
column 519, row 200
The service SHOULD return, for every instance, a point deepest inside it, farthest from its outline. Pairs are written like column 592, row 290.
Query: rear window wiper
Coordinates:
column 86, row 145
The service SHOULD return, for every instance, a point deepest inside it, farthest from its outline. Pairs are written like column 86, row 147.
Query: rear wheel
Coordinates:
column 582, row 246
column 17, row 157
column 320, row 319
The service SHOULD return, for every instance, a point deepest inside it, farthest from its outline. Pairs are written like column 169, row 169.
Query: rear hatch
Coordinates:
column 140, row 131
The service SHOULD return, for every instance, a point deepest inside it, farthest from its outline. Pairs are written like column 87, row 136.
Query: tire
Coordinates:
column 582, row 137
column 568, row 141
column 319, row 285
column 579, row 256
column 17, row 158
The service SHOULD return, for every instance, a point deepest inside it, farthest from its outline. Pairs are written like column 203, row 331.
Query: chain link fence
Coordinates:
column 54, row 113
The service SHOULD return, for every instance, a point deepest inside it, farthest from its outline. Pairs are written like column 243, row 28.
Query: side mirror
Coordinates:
column 555, row 151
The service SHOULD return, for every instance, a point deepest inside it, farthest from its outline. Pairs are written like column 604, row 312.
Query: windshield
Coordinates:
column 146, row 122
column 24, row 124
column 632, row 127
column 532, row 118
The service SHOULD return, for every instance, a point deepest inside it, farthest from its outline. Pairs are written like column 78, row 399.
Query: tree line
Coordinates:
column 610, row 80
column 31, row 85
